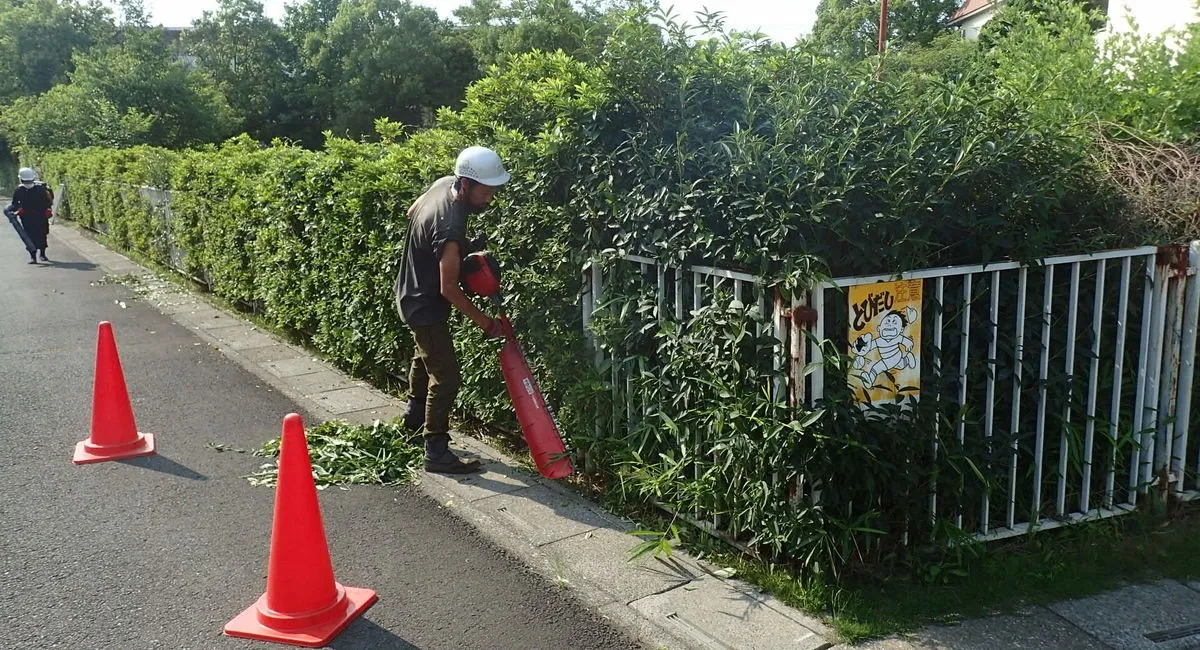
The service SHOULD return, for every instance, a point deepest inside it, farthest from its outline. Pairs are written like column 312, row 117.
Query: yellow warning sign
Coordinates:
column 885, row 340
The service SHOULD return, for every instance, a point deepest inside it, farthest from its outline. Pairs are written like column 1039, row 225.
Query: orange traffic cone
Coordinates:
column 303, row 604
column 114, row 434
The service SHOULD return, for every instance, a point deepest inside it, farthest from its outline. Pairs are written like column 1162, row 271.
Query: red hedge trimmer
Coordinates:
column 481, row 276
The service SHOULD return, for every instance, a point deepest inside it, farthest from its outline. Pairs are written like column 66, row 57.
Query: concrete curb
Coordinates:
column 674, row 603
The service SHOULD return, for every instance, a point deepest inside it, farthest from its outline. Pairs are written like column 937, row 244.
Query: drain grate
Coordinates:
column 1174, row 633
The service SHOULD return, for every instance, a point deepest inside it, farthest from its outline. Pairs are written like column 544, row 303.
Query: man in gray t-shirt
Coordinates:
column 428, row 285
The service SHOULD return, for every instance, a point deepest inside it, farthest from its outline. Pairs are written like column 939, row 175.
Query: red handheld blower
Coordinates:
column 481, row 276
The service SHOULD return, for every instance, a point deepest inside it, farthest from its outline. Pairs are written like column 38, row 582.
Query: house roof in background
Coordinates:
column 970, row 8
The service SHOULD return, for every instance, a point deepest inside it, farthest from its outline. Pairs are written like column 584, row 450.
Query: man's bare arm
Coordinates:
column 449, row 273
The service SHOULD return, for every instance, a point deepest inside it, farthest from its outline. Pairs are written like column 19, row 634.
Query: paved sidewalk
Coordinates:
column 671, row 603
column 677, row 603
column 1160, row 616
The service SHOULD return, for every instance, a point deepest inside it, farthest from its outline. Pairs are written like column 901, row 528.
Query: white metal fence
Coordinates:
column 1069, row 382
column 158, row 203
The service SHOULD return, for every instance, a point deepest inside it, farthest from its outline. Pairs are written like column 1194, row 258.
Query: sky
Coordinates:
column 782, row 20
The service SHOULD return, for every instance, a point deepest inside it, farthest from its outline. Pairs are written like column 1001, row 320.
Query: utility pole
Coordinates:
column 883, row 11
column 883, row 7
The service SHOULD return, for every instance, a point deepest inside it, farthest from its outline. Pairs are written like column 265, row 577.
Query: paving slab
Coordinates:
column 205, row 317
column 270, row 353
column 368, row 416
column 714, row 616
column 172, row 306
column 600, row 559
column 320, row 382
column 243, row 337
column 211, row 319
column 1167, row 611
column 118, row 266
column 294, row 366
column 349, row 400
column 539, row 515
column 1035, row 628
column 891, row 643
column 493, row 480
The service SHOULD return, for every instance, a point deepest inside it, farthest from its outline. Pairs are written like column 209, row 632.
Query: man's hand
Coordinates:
column 499, row 329
column 449, row 268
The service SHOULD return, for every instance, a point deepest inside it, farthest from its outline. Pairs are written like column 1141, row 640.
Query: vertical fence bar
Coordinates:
column 598, row 296
column 797, row 351
column 660, row 272
column 763, row 308
column 1187, row 365
column 818, row 339
column 718, row 283
column 679, row 294
column 697, row 297
column 1015, row 420
column 614, row 366
column 1114, row 414
column 938, row 318
column 628, row 364
column 1139, row 399
column 1063, row 443
column 589, row 304
column 1169, row 376
column 598, row 300
column 1043, row 375
column 589, row 308
column 1085, row 495
column 989, row 418
column 963, row 356
column 1149, row 417
column 779, row 355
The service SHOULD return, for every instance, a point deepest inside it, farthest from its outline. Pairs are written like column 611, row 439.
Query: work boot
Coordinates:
column 414, row 417
column 440, row 460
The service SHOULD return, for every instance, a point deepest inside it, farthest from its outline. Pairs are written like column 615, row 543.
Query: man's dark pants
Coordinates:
column 37, row 226
column 434, row 376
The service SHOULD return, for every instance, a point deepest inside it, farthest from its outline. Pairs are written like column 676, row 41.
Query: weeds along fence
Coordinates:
column 1050, row 392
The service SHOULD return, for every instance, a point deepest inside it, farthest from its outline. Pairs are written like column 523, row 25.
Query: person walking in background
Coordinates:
column 32, row 203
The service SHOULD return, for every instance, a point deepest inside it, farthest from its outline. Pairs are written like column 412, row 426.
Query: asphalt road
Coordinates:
column 161, row 552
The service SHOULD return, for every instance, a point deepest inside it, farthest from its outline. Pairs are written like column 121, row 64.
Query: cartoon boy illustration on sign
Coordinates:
column 888, row 359
column 895, row 349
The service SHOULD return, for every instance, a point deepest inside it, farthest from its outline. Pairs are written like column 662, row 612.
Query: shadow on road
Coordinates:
column 363, row 634
column 160, row 463
column 75, row 266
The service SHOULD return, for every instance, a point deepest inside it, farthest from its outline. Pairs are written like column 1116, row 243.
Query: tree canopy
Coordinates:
column 850, row 28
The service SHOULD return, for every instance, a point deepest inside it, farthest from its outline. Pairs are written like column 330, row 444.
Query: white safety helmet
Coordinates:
column 481, row 165
column 27, row 175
